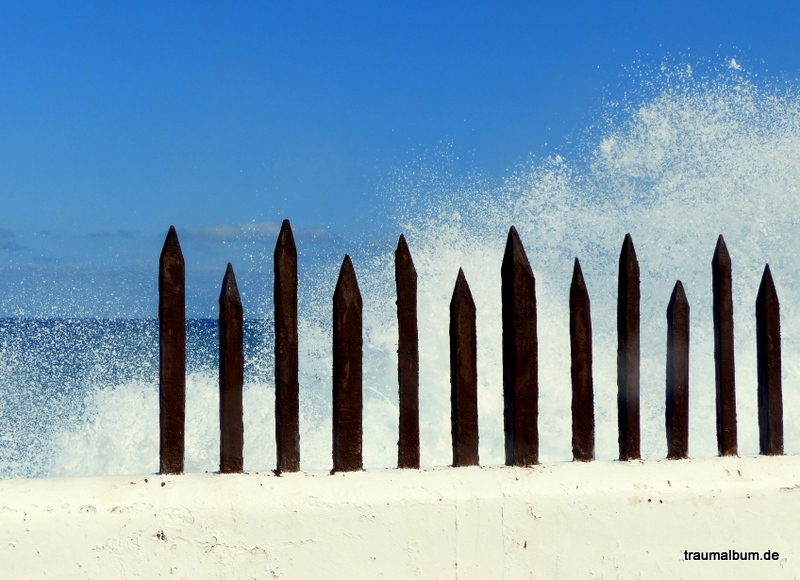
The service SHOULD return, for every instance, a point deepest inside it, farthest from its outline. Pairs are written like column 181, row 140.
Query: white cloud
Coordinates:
column 254, row 232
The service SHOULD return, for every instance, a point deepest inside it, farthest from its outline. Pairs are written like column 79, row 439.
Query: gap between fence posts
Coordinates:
column 287, row 384
column 172, row 355
column 677, row 398
column 520, row 355
column 628, row 353
column 347, row 371
column 463, row 375
column 407, row 357
column 580, row 336
column 725, row 371
column 768, row 343
column 231, row 375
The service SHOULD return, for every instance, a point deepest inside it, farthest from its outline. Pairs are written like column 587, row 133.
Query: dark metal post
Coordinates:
column 347, row 371
column 463, row 375
column 723, row 350
column 287, row 386
column 231, row 375
column 172, row 354
column 677, row 402
column 628, row 353
column 520, row 355
column 407, row 357
column 580, row 335
column 768, row 339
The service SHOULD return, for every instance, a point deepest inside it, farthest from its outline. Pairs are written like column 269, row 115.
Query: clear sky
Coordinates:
column 119, row 119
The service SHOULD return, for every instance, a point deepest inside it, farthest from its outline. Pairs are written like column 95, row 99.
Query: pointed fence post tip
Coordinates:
column 285, row 235
column 229, row 287
column 402, row 245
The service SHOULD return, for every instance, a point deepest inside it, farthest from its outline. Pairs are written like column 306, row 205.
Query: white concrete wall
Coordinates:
column 598, row 520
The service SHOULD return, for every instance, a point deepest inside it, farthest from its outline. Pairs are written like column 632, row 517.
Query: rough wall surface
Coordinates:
column 596, row 520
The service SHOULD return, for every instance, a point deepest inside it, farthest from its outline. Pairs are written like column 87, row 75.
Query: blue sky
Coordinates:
column 120, row 119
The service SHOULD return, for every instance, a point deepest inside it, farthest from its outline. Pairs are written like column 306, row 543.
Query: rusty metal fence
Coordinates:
column 520, row 362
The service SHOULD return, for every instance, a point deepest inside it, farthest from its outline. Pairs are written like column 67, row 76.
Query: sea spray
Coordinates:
column 684, row 159
column 701, row 157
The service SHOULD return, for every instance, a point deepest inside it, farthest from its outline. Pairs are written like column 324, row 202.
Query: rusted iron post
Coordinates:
column 407, row 357
column 723, row 350
column 677, row 403
column 768, row 340
column 463, row 375
column 287, row 385
column 520, row 355
column 231, row 375
column 628, row 352
column 347, row 371
column 580, row 335
column 172, row 354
